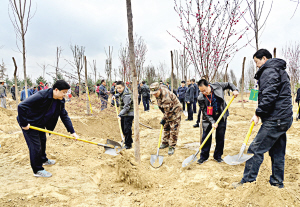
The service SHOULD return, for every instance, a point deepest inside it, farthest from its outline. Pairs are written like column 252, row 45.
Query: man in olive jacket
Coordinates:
column 126, row 112
column 212, row 104
column 275, row 111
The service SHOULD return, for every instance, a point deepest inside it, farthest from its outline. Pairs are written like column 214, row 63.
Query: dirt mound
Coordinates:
column 131, row 172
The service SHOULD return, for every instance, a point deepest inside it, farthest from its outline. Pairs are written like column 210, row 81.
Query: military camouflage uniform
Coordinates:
column 169, row 104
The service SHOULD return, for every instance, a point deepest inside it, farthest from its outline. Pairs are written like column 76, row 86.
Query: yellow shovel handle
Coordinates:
column 118, row 119
column 59, row 134
column 159, row 141
column 219, row 119
column 249, row 133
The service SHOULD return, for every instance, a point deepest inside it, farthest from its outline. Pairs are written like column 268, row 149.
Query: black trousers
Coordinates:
column 126, row 124
column 190, row 111
column 146, row 103
column 199, row 114
column 220, row 139
column 183, row 103
column 195, row 106
column 36, row 142
column 139, row 99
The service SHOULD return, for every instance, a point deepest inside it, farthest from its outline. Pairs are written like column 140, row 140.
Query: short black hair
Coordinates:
column 61, row 85
column 203, row 82
column 262, row 52
column 183, row 82
column 160, row 81
column 102, row 81
column 34, row 87
column 98, row 84
column 120, row 83
column 143, row 82
column 115, row 81
column 193, row 80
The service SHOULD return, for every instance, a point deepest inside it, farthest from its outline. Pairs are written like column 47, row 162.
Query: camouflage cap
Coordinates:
column 154, row 87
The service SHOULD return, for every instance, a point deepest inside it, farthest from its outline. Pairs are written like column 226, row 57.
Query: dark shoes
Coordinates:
column 163, row 146
column 220, row 160
column 201, row 161
column 188, row 120
column 196, row 125
column 171, row 150
column 128, row 147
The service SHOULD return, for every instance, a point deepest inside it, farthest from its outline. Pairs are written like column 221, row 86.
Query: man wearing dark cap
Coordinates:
column 170, row 106
column 43, row 110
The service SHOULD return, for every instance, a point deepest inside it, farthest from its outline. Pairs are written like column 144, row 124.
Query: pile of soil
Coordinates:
column 85, row 176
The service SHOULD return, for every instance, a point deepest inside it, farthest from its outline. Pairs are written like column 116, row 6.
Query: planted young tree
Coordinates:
column 243, row 82
column 184, row 63
column 134, row 82
column 140, row 49
column 58, row 53
column 211, row 32
column 108, row 64
column 124, row 60
column 21, row 10
column 233, row 78
column 94, row 69
column 249, row 76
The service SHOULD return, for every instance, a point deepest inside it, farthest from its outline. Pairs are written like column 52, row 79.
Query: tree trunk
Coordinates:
column 24, row 59
column 242, row 86
column 16, row 83
column 134, row 81
column 86, row 88
column 225, row 80
column 255, row 25
column 172, row 85
column 274, row 52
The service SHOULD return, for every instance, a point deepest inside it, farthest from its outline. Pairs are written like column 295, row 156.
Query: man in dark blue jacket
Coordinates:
column 145, row 92
column 196, row 94
column 275, row 111
column 168, row 85
column 181, row 94
column 103, row 95
column 189, row 99
column 42, row 110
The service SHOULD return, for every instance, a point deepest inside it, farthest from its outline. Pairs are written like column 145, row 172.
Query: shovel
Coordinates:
column 111, row 148
column 241, row 157
column 297, row 116
column 193, row 157
column 185, row 111
column 122, row 137
column 157, row 160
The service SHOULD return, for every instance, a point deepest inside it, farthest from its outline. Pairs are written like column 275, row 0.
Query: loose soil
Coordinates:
column 85, row 176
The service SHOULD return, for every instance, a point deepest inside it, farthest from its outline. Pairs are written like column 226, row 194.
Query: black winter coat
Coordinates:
column 298, row 95
column 33, row 109
column 189, row 94
column 274, row 96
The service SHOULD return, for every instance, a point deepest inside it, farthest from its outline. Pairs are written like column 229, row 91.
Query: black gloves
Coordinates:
column 162, row 122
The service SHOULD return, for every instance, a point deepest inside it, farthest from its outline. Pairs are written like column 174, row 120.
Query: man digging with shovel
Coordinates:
column 170, row 106
column 275, row 110
column 42, row 110
column 212, row 104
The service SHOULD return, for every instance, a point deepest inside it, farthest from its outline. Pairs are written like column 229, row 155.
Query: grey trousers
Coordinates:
column 3, row 102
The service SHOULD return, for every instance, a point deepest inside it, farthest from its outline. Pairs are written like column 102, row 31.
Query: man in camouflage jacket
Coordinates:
column 170, row 106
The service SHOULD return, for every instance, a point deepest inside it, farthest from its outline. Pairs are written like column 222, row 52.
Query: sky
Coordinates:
column 98, row 24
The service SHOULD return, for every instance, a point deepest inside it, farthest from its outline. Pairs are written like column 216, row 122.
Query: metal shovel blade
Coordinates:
column 156, row 160
column 185, row 113
column 110, row 151
column 235, row 160
column 189, row 160
column 114, row 143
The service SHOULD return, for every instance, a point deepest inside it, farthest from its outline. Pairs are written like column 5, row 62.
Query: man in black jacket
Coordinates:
column 13, row 92
column 42, row 110
column 189, row 99
column 145, row 92
column 275, row 110
column 181, row 94
column 298, row 101
column 196, row 94
column 212, row 104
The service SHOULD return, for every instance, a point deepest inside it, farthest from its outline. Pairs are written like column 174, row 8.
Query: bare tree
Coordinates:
column 140, row 49
column 3, row 69
column 43, row 67
column 249, row 76
column 124, row 59
column 108, row 63
column 243, row 82
column 210, row 32
column 233, row 78
column 291, row 54
column 134, row 82
column 94, row 69
column 255, row 14
column 78, row 57
column 58, row 53
column 184, row 63
column 21, row 11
